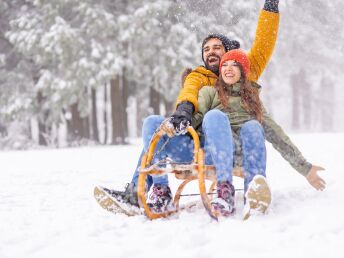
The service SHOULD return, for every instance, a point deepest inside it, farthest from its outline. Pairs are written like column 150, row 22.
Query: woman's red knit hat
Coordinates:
column 239, row 56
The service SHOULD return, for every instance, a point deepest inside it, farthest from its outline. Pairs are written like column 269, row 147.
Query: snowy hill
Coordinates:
column 47, row 209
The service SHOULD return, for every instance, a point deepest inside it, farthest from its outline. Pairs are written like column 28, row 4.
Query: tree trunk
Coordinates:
column 78, row 127
column 42, row 128
column 117, row 106
column 306, row 97
column 3, row 130
column 125, row 102
column 326, row 102
column 105, row 115
column 295, row 103
column 75, row 124
column 95, row 132
column 169, row 107
column 142, row 108
column 86, row 128
column 154, row 100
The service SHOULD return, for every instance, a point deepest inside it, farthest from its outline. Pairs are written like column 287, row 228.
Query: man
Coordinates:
column 213, row 48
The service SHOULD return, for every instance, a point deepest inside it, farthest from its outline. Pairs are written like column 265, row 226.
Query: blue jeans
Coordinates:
column 218, row 145
column 254, row 151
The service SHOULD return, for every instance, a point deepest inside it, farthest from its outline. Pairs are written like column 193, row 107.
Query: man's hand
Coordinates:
column 181, row 118
column 316, row 181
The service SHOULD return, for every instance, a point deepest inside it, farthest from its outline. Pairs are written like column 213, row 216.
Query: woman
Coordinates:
column 228, row 112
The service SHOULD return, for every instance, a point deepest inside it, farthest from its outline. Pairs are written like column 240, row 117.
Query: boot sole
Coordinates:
column 258, row 197
column 109, row 203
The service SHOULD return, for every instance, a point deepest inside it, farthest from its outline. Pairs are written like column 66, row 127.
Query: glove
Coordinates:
column 181, row 118
column 271, row 6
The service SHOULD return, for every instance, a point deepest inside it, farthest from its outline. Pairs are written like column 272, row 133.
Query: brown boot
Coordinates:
column 258, row 197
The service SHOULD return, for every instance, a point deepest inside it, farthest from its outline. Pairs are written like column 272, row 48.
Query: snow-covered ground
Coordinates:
column 47, row 209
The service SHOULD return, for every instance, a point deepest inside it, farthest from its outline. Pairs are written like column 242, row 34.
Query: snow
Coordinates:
column 47, row 209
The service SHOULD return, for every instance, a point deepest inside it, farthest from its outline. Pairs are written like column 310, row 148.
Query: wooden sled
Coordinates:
column 196, row 170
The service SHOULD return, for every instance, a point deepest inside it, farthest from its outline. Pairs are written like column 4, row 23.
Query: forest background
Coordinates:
column 88, row 72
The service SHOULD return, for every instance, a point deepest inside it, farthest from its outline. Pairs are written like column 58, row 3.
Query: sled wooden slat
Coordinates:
column 185, row 171
column 209, row 170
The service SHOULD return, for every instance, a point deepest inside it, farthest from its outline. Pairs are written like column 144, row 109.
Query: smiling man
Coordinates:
column 213, row 50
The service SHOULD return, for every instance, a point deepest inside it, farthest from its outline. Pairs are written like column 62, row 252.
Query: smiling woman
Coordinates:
column 230, row 72
column 228, row 112
column 234, row 68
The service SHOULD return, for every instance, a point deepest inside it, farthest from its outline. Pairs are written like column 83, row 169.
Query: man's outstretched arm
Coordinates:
column 265, row 40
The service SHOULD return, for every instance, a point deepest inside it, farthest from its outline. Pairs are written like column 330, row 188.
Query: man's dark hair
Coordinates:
column 228, row 44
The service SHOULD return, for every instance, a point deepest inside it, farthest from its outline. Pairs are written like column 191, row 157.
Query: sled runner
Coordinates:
column 196, row 170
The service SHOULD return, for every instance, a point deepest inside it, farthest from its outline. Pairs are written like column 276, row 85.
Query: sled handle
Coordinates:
column 156, row 137
column 146, row 160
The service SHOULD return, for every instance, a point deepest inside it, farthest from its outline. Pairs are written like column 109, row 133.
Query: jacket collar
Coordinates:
column 206, row 72
column 234, row 90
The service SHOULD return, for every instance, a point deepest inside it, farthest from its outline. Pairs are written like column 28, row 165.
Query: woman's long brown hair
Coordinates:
column 249, row 95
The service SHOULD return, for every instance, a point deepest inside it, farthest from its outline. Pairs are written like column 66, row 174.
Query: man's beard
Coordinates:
column 213, row 68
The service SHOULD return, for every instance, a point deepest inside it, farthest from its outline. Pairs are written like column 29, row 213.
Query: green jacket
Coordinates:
column 208, row 99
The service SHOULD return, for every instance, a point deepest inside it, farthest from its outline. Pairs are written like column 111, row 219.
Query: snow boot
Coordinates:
column 118, row 201
column 224, row 203
column 160, row 199
column 258, row 197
